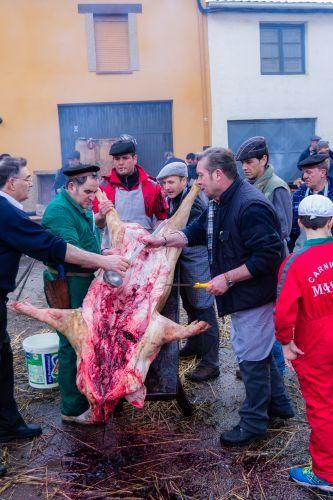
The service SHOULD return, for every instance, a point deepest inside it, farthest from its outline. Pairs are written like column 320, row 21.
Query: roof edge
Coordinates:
column 248, row 6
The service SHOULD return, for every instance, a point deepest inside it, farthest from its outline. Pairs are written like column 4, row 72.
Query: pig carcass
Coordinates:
column 119, row 331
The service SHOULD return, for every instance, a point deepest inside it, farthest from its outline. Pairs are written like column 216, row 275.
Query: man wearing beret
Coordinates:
column 192, row 266
column 254, row 156
column 70, row 217
column 316, row 181
column 133, row 193
column 18, row 234
column 242, row 232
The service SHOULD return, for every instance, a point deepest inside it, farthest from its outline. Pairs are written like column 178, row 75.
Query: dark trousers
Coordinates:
column 265, row 391
column 9, row 414
column 206, row 344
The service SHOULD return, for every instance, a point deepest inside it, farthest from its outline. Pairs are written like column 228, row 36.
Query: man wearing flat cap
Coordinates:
column 311, row 149
column 69, row 216
column 192, row 266
column 303, row 320
column 316, row 181
column 254, row 157
column 134, row 194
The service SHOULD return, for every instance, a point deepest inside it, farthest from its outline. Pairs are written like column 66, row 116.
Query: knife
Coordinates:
column 194, row 285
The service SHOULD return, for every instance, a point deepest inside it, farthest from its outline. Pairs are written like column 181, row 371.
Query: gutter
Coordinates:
column 270, row 7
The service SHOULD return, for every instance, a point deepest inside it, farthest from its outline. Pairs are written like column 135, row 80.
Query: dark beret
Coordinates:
column 252, row 148
column 80, row 169
column 122, row 147
column 315, row 138
column 313, row 161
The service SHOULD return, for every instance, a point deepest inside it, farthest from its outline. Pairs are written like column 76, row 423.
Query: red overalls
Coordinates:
column 304, row 312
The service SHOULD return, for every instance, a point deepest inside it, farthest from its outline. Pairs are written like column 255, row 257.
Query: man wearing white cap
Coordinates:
column 303, row 320
column 193, row 265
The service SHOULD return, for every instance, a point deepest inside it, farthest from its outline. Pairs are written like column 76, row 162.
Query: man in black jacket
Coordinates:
column 192, row 266
column 18, row 234
column 243, row 237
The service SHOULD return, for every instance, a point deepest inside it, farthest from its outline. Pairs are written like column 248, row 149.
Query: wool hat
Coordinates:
column 126, row 144
column 314, row 161
column 316, row 205
column 175, row 168
column 252, row 148
column 315, row 138
column 80, row 169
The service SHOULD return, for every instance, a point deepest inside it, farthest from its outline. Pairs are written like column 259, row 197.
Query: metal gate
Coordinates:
column 286, row 139
column 150, row 122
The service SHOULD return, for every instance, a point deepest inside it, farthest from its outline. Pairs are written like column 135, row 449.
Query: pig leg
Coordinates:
column 68, row 321
column 160, row 331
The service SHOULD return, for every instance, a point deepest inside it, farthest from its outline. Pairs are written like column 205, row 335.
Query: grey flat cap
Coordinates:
column 175, row 168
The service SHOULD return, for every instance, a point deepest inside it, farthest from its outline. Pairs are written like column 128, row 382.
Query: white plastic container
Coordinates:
column 41, row 353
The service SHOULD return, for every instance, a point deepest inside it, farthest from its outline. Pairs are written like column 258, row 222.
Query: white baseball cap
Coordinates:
column 316, row 205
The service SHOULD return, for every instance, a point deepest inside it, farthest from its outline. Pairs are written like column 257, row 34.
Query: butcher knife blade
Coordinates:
column 194, row 285
column 113, row 278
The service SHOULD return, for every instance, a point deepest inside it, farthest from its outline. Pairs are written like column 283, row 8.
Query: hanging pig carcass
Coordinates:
column 118, row 332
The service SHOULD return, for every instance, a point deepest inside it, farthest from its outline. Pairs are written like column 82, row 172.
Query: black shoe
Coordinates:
column 203, row 373
column 280, row 414
column 3, row 470
column 22, row 431
column 187, row 352
column 240, row 437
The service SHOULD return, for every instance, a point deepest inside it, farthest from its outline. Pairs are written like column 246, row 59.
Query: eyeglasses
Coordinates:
column 25, row 179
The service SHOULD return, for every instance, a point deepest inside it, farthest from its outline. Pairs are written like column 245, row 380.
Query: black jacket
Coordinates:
column 246, row 231
column 18, row 234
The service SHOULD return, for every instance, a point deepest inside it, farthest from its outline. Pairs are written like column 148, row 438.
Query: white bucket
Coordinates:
column 41, row 353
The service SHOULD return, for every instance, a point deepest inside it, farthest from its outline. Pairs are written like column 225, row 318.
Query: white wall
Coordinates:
column 240, row 92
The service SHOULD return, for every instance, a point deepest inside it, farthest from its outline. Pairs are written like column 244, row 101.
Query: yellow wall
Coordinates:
column 44, row 63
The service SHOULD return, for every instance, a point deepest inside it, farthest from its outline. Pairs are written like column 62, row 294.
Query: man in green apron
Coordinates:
column 70, row 216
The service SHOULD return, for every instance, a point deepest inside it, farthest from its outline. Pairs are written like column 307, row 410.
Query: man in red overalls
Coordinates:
column 303, row 320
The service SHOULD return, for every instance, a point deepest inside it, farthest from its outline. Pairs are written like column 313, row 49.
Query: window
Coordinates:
column 282, row 50
column 111, row 37
column 111, row 44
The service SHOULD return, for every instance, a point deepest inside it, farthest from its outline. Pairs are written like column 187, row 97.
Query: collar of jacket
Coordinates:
column 66, row 196
column 262, row 181
column 114, row 179
column 228, row 194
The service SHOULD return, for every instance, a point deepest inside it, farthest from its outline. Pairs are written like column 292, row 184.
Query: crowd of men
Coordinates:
column 239, row 232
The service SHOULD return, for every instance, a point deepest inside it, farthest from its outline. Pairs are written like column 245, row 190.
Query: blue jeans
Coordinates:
column 278, row 356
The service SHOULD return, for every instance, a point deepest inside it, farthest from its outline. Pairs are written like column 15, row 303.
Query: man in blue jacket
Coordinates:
column 18, row 234
column 243, row 237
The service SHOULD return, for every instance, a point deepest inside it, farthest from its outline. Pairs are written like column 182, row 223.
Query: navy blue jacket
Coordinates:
column 18, row 234
column 246, row 231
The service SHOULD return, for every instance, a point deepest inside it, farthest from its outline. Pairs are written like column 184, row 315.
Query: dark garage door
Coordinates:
column 286, row 140
column 149, row 122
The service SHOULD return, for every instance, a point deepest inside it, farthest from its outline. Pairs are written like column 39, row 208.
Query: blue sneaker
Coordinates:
column 306, row 477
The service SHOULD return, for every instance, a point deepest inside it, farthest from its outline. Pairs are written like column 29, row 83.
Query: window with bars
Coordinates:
column 282, row 49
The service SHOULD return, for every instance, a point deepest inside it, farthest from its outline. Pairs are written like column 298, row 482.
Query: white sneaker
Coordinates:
column 85, row 418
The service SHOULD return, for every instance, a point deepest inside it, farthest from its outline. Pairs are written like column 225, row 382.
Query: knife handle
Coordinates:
column 201, row 285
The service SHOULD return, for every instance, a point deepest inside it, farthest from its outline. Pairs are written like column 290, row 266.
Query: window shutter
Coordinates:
column 112, row 43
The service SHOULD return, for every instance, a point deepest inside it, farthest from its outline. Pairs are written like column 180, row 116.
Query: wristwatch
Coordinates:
column 229, row 281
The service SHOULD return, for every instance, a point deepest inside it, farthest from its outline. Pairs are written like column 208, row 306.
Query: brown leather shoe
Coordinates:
column 203, row 373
